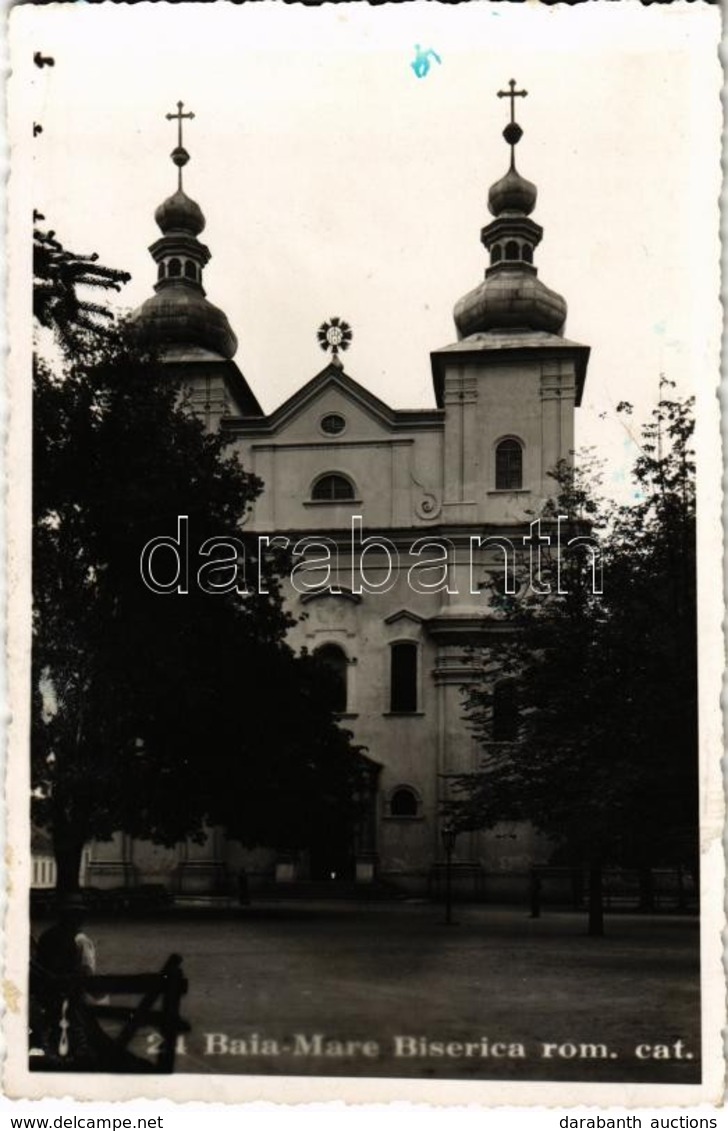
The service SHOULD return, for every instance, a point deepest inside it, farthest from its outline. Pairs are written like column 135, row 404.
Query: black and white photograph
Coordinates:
column 364, row 473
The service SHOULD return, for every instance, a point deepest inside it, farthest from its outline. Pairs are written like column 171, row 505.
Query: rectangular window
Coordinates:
column 505, row 712
column 403, row 679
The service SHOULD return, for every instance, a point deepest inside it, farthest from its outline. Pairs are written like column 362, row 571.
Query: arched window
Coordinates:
column 505, row 712
column 512, row 250
column 190, row 269
column 332, row 488
column 496, row 254
column 527, row 253
column 509, row 466
column 175, row 268
column 160, row 271
column 403, row 802
column 403, row 677
column 335, row 660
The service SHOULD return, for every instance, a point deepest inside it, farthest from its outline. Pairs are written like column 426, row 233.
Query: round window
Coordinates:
column 333, row 423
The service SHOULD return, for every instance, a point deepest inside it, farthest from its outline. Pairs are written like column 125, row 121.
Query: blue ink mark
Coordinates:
column 421, row 64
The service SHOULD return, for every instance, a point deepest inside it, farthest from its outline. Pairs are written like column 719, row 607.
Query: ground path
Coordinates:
column 339, row 989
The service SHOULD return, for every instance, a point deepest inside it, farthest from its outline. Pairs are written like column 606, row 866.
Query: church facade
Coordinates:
column 397, row 518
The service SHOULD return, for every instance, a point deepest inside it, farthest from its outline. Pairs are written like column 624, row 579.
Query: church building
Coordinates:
column 404, row 510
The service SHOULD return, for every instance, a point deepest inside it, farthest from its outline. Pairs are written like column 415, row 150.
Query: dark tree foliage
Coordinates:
column 57, row 274
column 160, row 714
column 605, row 757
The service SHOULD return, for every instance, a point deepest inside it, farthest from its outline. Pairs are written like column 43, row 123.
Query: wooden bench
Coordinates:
column 62, row 1004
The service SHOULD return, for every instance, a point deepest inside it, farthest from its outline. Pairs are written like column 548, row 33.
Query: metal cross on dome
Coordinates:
column 180, row 156
column 334, row 335
column 513, row 132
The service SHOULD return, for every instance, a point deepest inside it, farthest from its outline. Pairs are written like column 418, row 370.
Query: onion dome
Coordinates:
column 182, row 316
column 510, row 300
column 180, row 214
column 512, row 296
column 512, row 193
column 178, row 315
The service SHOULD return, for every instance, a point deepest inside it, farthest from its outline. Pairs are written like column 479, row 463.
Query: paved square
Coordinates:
column 342, row 989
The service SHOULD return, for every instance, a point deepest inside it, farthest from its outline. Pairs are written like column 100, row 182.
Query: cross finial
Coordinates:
column 513, row 132
column 513, row 94
column 179, row 116
column 180, row 156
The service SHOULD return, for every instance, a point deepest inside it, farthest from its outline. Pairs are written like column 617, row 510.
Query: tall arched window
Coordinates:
column 512, row 250
column 335, row 660
column 496, row 254
column 403, row 677
column 403, row 802
column 332, row 488
column 190, row 269
column 509, row 466
column 505, row 712
column 174, row 269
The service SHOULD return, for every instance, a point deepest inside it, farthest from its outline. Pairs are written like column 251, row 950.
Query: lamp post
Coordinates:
column 448, row 842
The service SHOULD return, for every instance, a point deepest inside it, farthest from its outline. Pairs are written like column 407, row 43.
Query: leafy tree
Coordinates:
column 57, row 274
column 604, row 755
column 161, row 714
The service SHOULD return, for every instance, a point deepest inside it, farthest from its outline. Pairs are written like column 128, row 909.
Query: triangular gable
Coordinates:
column 404, row 614
column 333, row 376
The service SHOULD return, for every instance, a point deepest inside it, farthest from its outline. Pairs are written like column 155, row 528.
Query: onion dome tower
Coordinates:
column 509, row 384
column 512, row 296
column 193, row 336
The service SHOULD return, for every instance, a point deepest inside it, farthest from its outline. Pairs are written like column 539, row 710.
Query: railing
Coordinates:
column 44, row 872
column 627, row 889
column 658, row 889
column 468, row 880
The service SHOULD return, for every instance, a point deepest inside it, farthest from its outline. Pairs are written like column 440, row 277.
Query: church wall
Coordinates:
column 529, row 400
column 483, row 403
column 108, row 863
column 405, row 745
column 186, row 868
column 153, row 863
column 414, row 750
column 509, row 404
column 259, row 864
column 396, row 476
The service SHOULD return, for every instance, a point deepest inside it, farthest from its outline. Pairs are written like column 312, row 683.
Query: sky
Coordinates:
column 336, row 182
